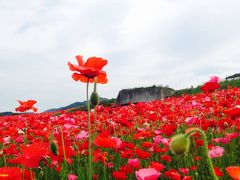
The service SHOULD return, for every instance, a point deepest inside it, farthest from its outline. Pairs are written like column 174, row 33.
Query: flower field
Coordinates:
column 129, row 142
column 178, row 138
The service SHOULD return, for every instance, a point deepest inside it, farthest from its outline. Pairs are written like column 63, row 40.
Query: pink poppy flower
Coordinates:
column 215, row 79
column 71, row 177
column 184, row 170
column 69, row 126
column 118, row 142
column 134, row 163
column 82, row 135
column 159, row 139
column 147, row 174
column 216, row 152
column 224, row 140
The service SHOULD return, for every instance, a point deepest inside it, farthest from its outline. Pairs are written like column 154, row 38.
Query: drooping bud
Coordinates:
column 225, row 124
column 180, row 144
column 94, row 99
column 54, row 148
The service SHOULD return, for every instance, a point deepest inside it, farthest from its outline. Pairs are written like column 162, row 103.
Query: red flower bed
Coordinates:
column 127, row 140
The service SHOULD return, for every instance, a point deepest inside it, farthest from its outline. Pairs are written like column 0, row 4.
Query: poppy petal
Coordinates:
column 89, row 72
column 34, row 109
column 20, row 102
column 80, row 60
column 10, row 173
column 85, row 71
column 79, row 77
column 31, row 102
column 95, row 62
column 234, row 172
column 73, row 67
column 102, row 78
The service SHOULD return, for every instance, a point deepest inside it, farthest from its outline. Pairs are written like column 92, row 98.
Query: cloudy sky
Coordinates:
column 178, row 43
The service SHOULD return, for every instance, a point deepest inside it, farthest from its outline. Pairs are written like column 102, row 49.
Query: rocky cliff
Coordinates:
column 143, row 94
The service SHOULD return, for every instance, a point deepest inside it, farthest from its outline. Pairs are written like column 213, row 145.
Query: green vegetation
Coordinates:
column 224, row 85
column 105, row 103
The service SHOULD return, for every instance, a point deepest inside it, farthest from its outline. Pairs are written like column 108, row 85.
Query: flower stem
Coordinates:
column 25, row 131
column 95, row 119
column 95, row 108
column 63, row 145
column 89, row 137
column 205, row 149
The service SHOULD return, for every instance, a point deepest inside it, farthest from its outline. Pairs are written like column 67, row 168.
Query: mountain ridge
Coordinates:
column 73, row 105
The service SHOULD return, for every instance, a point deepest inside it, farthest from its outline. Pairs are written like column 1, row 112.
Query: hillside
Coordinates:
column 224, row 84
column 75, row 105
column 128, row 94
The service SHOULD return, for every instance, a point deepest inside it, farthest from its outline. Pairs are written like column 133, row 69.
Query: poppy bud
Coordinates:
column 233, row 128
column 180, row 144
column 94, row 99
column 54, row 148
column 225, row 124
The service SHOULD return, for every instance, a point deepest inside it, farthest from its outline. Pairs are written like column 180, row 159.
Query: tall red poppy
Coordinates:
column 87, row 71
column 234, row 172
column 26, row 105
column 31, row 154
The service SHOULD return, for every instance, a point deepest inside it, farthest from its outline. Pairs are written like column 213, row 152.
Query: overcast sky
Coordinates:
column 178, row 43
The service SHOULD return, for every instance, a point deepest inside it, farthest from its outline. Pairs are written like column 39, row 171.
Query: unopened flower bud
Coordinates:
column 54, row 148
column 225, row 124
column 94, row 99
column 180, row 144
column 20, row 131
column 233, row 128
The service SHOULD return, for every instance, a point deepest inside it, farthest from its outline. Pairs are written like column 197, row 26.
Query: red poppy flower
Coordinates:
column 127, row 154
column 142, row 154
column 193, row 168
column 87, row 71
column 169, row 129
column 126, row 169
column 29, row 175
column 100, row 156
column 209, row 87
column 105, row 142
column 172, row 174
column 118, row 175
column 26, row 105
column 166, row 158
column 218, row 171
column 32, row 154
column 234, row 172
column 142, row 135
column 158, row 166
column 197, row 158
column 9, row 173
column 199, row 142
column 187, row 178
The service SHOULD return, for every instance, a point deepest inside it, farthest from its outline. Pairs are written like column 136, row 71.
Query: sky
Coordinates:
column 175, row 43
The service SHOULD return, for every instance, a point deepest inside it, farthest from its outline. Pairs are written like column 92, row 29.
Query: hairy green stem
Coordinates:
column 89, row 137
column 25, row 131
column 205, row 149
column 63, row 145
column 95, row 110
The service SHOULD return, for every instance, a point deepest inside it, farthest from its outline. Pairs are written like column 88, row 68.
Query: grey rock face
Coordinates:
column 143, row 94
